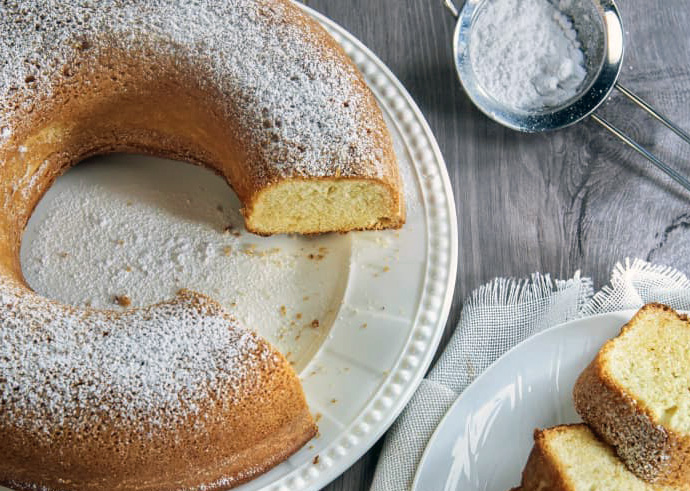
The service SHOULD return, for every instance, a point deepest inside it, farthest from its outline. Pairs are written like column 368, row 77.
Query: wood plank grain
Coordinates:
column 574, row 199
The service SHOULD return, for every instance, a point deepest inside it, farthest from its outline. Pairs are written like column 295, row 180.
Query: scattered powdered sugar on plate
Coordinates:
column 525, row 54
column 124, row 237
column 130, row 231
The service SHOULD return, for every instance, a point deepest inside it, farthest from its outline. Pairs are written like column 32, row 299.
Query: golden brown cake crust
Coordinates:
column 542, row 472
column 651, row 451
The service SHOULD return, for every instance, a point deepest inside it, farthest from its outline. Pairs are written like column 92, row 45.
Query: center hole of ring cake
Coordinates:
column 124, row 231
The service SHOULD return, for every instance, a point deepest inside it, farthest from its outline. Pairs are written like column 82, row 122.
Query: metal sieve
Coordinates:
column 600, row 33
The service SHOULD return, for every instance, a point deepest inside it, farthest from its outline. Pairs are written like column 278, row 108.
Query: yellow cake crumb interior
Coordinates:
column 589, row 464
column 651, row 361
column 319, row 205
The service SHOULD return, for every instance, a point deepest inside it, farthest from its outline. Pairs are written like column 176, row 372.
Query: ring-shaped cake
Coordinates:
column 174, row 395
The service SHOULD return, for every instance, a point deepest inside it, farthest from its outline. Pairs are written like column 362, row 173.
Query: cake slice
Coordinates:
column 572, row 458
column 636, row 395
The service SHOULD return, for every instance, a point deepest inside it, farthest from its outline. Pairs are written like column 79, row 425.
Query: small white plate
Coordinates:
column 483, row 441
column 381, row 298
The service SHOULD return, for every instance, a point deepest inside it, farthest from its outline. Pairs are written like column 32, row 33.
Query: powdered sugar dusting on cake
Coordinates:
column 304, row 111
column 154, row 365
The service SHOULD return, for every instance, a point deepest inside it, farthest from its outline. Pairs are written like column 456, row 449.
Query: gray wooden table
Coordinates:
column 557, row 202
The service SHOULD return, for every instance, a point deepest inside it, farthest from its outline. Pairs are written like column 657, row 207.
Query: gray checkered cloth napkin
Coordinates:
column 496, row 317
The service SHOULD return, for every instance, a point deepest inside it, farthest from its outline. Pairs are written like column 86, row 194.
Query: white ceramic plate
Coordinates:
column 382, row 298
column 484, row 439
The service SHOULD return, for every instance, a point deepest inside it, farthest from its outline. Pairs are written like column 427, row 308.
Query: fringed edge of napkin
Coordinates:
column 624, row 292
column 513, row 291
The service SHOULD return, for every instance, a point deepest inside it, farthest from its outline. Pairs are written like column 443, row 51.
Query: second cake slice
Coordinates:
column 572, row 458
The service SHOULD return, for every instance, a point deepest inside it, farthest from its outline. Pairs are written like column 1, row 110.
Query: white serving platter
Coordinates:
column 381, row 298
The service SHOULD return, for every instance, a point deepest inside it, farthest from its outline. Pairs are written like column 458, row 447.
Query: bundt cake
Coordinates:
column 636, row 395
column 175, row 395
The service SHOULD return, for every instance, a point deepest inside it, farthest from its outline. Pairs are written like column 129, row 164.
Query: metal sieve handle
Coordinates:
column 450, row 5
column 672, row 173
column 649, row 109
